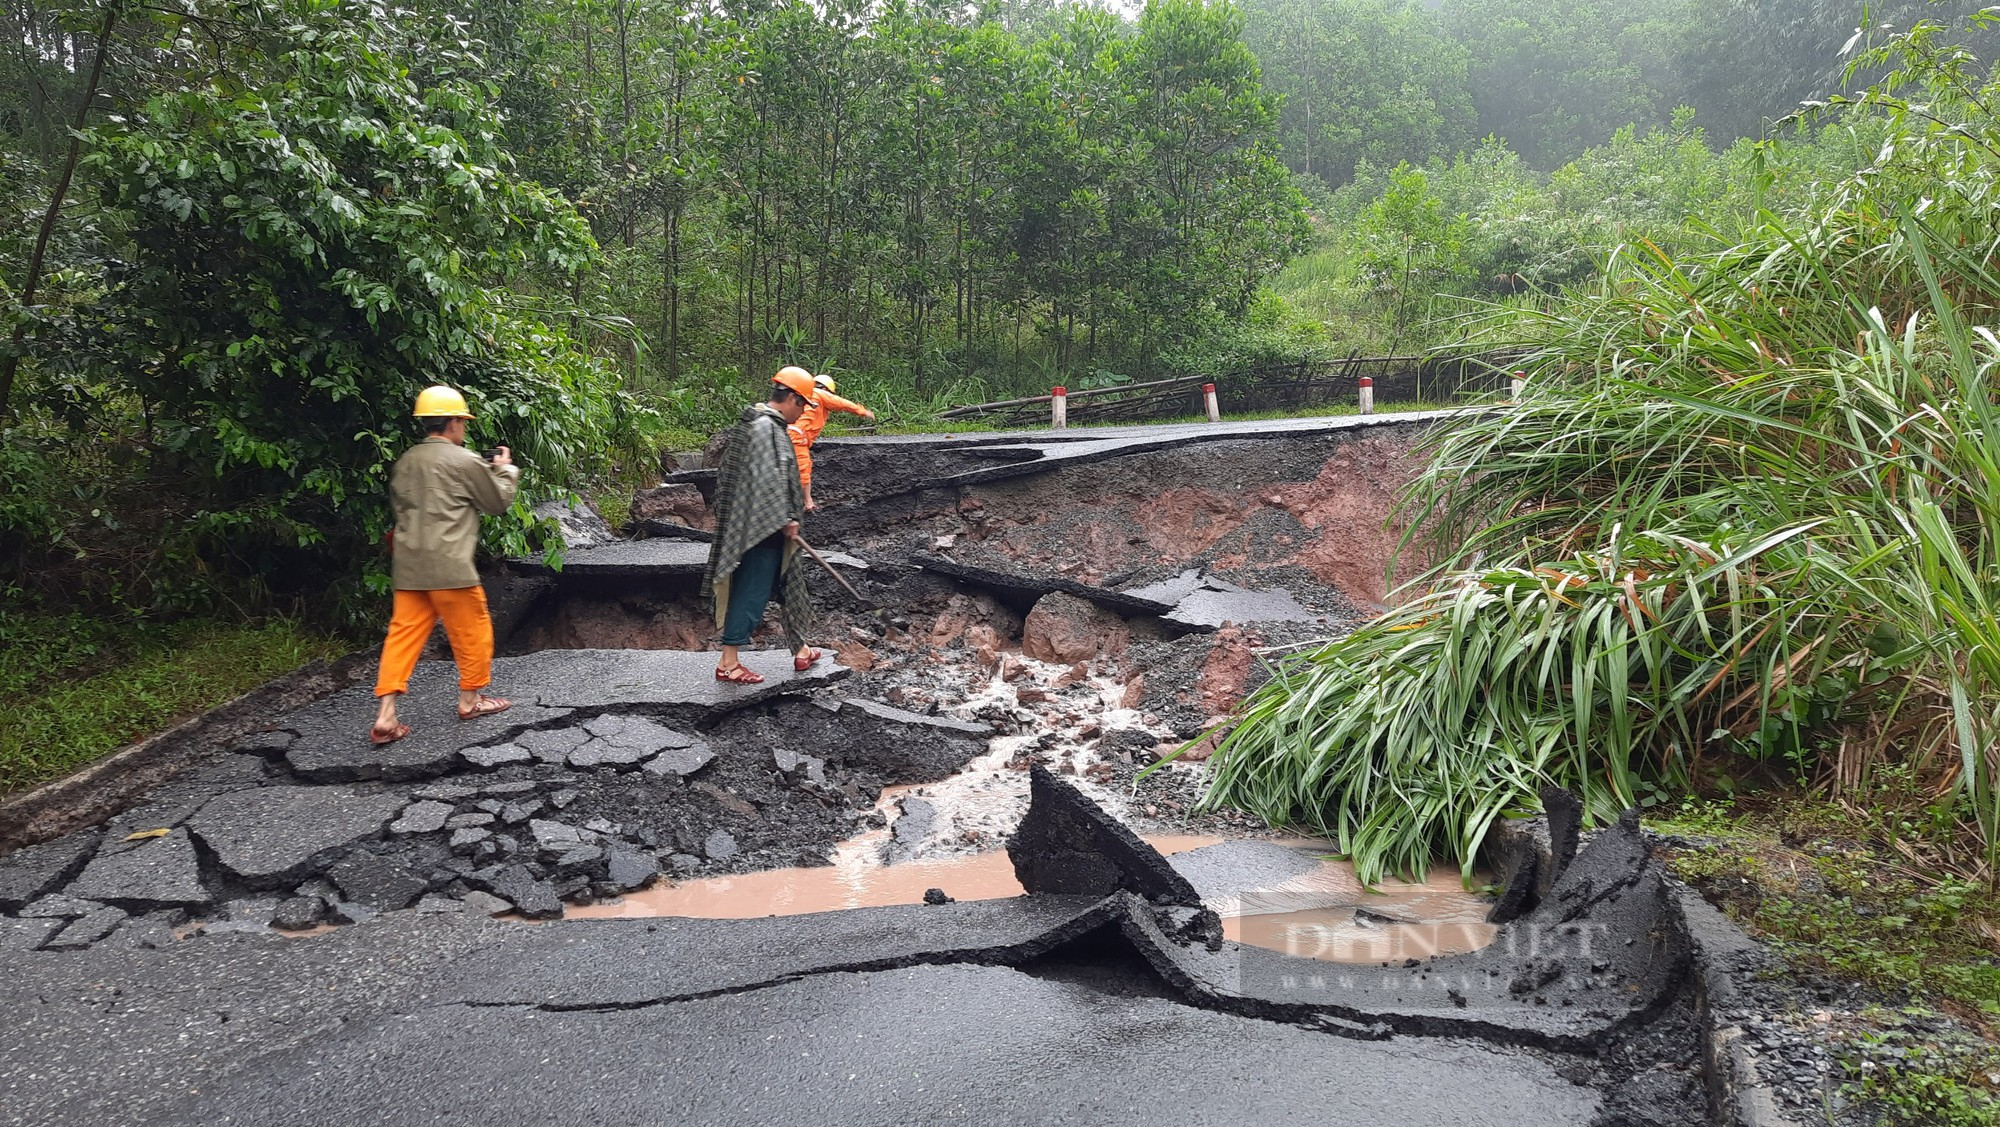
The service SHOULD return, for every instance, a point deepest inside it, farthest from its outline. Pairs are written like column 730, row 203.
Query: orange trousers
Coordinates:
column 466, row 624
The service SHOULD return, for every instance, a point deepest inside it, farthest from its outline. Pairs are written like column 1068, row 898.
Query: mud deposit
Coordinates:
column 905, row 885
column 1345, row 924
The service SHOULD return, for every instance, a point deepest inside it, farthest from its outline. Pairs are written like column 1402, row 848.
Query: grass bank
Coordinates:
column 1863, row 888
column 82, row 687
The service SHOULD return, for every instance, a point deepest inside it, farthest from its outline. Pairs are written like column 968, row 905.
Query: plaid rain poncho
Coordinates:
column 757, row 492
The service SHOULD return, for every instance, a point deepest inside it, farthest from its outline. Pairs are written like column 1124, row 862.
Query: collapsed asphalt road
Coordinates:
column 1053, row 628
column 1105, row 995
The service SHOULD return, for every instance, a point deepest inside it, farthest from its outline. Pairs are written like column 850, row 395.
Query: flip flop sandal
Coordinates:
column 485, row 706
column 380, row 736
column 739, row 675
column 804, row 661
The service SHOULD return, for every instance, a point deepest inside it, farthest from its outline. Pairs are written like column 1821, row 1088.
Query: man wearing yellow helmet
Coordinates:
column 806, row 431
column 438, row 489
column 758, row 503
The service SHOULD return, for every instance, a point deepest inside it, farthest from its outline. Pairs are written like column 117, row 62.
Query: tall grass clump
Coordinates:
column 1749, row 508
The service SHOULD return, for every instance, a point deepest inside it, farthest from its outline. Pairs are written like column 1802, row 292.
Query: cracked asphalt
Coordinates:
column 450, row 1018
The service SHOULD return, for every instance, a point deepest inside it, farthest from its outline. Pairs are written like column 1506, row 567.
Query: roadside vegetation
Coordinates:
column 1744, row 526
column 79, row 686
column 1739, row 540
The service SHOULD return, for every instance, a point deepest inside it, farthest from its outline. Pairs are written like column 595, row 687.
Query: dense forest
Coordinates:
column 242, row 232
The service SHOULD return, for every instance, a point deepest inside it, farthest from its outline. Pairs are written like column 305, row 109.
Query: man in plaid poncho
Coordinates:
column 755, row 554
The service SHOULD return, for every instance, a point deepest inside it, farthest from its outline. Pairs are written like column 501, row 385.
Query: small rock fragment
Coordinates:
column 937, row 896
column 553, row 835
column 466, row 821
column 720, row 846
column 486, row 903
column 381, row 883
column 348, row 912
column 421, row 818
column 298, row 913
column 85, row 930
column 534, row 899
column 496, row 755
column 465, row 839
column 681, row 761
column 553, row 745
column 629, row 869
column 515, row 813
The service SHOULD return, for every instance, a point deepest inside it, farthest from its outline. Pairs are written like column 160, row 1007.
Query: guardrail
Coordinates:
column 1360, row 381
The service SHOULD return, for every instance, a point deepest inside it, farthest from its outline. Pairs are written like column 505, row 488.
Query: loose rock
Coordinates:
column 298, row 913
column 381, row 883
column 720, row 846
column 497, row 754
column 421, row 818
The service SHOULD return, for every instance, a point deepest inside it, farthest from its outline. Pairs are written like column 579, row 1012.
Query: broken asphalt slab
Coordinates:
column 547, row 687
column 481, row 1008
column 1067, row 844
column 668, row 679
column 610, row 964
column 272, row 836
column 656, row 557
column 922, row 1044
column 1021, row 591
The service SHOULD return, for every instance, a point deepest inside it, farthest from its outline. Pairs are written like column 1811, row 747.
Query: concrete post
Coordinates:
column 1058, row 408
column 1520, row 385
column 1208, row 398
column 1366, row 394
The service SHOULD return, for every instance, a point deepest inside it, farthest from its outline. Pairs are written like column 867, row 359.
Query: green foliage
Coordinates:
column 83, row 686
column 1749, row 498
column 1555, row 77
column 1851, row 889
column 305, row 237
column 1373, row 81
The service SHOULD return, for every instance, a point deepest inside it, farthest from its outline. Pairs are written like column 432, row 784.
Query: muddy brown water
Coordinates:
column 1325, row 914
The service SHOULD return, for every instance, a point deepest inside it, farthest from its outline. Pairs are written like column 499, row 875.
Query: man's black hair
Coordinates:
column 435, row 424
column 780, row 391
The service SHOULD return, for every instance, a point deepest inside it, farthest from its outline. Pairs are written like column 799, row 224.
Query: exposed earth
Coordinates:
column 261, row 918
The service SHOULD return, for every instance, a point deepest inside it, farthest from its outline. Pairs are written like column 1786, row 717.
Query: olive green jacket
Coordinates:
column 439, row 489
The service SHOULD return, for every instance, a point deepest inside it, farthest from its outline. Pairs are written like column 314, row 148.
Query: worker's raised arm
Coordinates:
column 834, row 402
column 492, row 487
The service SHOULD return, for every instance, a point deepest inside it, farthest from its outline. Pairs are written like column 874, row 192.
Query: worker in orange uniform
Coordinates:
column 438, row 489
column 806, row 431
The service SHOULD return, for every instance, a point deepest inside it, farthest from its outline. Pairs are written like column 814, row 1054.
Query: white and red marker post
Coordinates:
column 1519, row 386
column 1208, row 400
column 1058, row 408
column 1365, row 394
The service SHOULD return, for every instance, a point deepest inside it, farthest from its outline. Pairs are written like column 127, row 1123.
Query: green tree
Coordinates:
column 1374, row 80
column 314, row 234
column 1556, row 77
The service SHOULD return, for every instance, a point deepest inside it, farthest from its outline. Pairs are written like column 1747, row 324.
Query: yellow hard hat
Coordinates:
column 441, row 402
column 798, row 380
column 826, row 382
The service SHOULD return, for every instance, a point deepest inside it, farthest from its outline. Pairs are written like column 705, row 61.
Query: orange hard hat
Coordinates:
column 798, row 380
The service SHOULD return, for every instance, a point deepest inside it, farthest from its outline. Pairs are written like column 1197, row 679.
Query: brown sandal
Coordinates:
column 484, row 706
column 380, row 736
column 804, row 661
column 739, row 674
